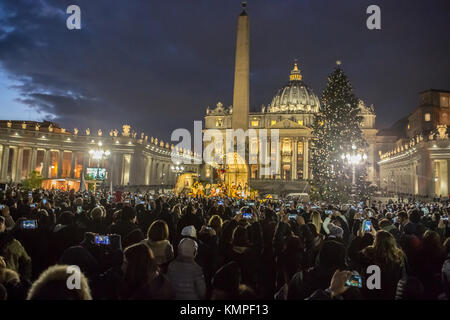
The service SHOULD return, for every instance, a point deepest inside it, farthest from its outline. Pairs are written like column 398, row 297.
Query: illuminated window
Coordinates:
column 219, row 122
column 273, row 122
column 300, row 122
column 427, row 117
column 255, row 123
column 300, row 147
column 409, row 126
column 286, row 146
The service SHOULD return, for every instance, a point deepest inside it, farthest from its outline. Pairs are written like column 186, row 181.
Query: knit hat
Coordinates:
column 189, row 231
column 335, row 231
column 187, row 248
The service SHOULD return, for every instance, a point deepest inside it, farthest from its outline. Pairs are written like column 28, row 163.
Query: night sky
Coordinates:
column 157, row 65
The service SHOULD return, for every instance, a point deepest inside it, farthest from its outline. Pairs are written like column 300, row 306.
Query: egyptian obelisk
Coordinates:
column 237, row 170
column 241, row 94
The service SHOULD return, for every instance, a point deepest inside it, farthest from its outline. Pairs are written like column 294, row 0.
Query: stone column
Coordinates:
column 45, row 166
column 294, row 159
column 147, row 170
column 5, row 160
column 33, row 159
column 14, row 165
column 19, row 163
column 279, row 173
column 305, row 159
column 60, row 163
column 72, row 165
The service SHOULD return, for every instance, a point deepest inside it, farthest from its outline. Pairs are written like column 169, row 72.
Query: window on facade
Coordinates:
column 255, row 123
column 300, row 122
column 67, row 163
column 427, row 116
column 409, row 126
column 300, row 147
column 219, row 122
column 300, row 160
column 273, row 122
column 444, row 102
column 286, row 146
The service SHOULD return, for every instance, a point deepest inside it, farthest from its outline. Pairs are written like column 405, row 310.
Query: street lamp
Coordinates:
column 99, row 154
column 177, row 169
column 354, row 158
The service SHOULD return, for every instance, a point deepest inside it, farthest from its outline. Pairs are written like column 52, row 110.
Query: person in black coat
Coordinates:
column 189, row 218
column 331, row 258
column 246, row 250
column 126, row 223
column 65, row 234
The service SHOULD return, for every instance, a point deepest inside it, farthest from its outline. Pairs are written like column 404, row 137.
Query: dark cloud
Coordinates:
column 158, row 64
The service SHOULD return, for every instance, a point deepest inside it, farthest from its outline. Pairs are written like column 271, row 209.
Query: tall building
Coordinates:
column 291, row 111
column 418, row 162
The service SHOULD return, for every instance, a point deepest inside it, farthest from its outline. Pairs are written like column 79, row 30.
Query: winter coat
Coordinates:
column 158, row 289
column 187, row 279
column 162, row 250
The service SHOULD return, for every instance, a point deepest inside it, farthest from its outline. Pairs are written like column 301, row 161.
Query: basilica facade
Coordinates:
column 292, row 111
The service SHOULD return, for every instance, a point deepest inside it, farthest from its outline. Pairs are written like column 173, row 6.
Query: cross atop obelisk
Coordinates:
column 241, row 94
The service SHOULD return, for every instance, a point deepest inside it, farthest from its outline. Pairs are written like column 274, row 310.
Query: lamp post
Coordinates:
column 177, row 169
column 99, row 154
column 354, row 158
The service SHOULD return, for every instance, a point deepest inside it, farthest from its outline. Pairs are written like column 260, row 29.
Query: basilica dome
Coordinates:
column 295, row 96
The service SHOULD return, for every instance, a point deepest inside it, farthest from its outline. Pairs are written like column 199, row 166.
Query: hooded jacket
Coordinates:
column 187, row 279
column 162, row 250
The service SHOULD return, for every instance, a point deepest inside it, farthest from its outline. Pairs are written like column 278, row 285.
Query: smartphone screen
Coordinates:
column 247, row 215
column 367, row 226
column 354, row 281
column 292, row 216
column 328, row 211
column 103, row 240
column 33, row 205
column 29, row 224
column 44, row 201
column 79, row 209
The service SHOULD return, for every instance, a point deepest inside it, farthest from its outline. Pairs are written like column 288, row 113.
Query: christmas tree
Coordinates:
column 336, row 132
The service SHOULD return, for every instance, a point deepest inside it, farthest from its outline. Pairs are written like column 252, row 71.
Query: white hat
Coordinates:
column 189, row 231
column 187, row 248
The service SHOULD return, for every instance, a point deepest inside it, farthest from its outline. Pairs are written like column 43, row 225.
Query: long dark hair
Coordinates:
column 140, row 267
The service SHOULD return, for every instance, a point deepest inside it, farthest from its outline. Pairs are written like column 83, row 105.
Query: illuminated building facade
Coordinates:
column 60, row 156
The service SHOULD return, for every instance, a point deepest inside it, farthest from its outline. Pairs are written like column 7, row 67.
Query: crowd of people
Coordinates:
column 133, row 246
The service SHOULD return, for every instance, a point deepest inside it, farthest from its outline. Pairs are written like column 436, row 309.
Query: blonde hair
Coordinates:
column 58, row 275
column 316, row 220
column 8, row 275
column 384, row 249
